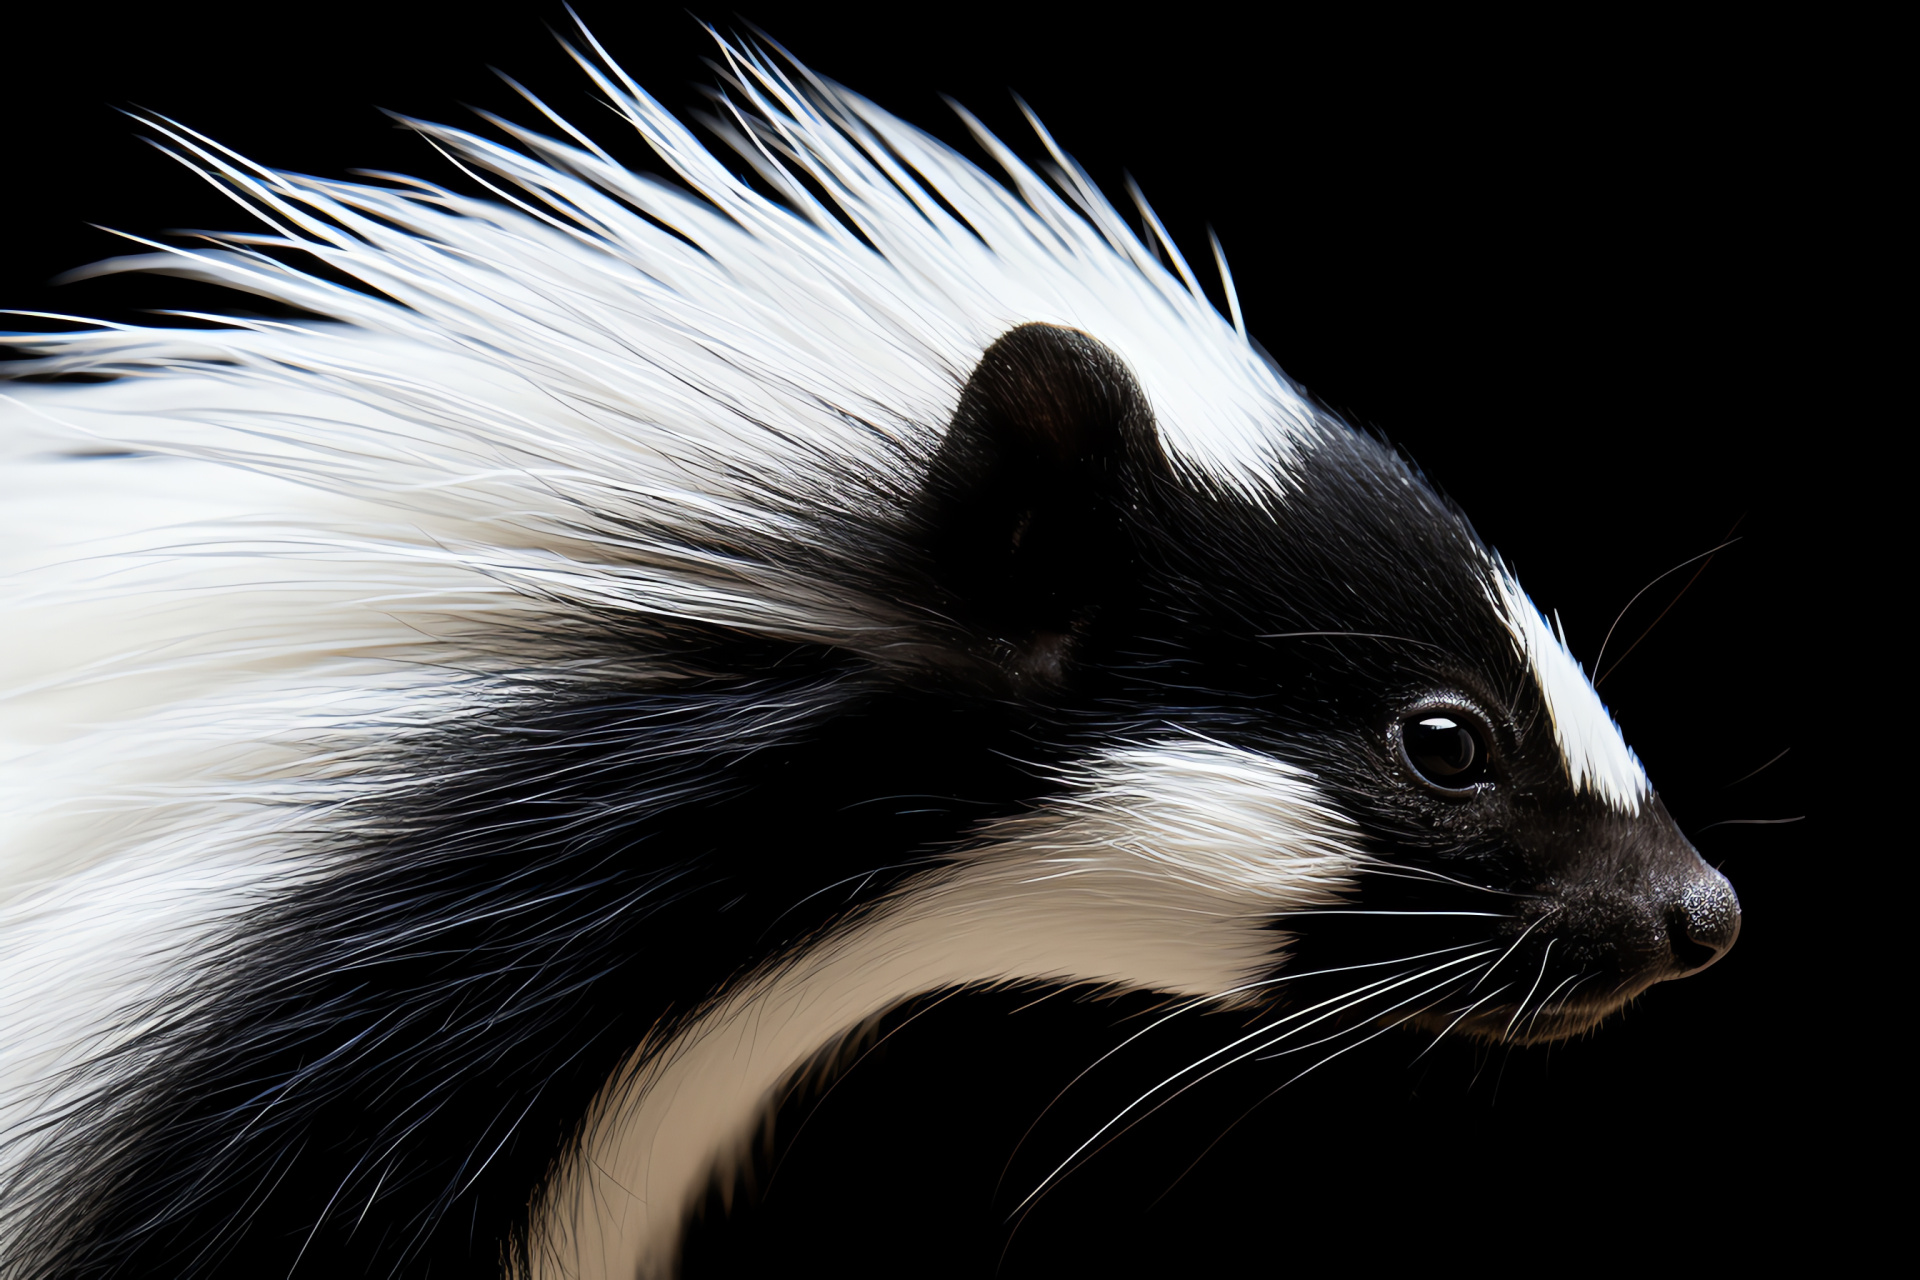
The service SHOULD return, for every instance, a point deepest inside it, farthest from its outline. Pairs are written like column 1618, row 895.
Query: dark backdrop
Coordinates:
column 1563, row 266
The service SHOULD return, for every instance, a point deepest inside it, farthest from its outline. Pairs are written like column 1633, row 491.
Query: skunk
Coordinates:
column 471, row 747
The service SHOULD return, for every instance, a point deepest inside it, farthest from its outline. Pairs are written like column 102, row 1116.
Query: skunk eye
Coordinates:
column 1447, row 750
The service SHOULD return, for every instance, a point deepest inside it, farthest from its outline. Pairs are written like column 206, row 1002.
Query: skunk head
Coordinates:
column 1347, row 623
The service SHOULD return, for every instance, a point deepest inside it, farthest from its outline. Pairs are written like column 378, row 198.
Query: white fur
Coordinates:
column 1597, row 757
column 1162, row 869
column 173, row 703
column 516, row 416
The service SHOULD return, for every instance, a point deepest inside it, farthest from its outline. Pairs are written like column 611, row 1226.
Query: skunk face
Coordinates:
column 1352, row 627
column 639, row 636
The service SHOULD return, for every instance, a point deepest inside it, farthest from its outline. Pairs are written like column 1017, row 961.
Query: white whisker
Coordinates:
column 1356, row 997
column 1516, row 942
column 1370, row 866
column 1535, row 987
column 1266, row 1057
column 1188, row 1006
column 1348, row 968
column 1270, row 1094
column 1456, row 1022
column 1330, row 911
column 1567, row 999
column 1548, row 1000
column 1227, row 1048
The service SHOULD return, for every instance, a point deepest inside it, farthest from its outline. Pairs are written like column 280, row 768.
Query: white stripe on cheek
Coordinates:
column 1243, row 830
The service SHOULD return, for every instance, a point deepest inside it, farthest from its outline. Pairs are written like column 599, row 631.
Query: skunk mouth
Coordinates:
column 1558, row 1005
column 1610, row 950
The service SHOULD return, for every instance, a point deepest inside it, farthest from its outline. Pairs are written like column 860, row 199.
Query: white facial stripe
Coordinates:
column 1597, row 758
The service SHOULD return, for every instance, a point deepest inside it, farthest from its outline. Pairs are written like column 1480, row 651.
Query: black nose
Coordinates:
column 1703, row 922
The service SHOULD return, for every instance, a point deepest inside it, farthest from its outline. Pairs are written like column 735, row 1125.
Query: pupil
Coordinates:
column 1441, row 747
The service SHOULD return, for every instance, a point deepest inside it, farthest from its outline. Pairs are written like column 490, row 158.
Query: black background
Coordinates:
column 1567, row 267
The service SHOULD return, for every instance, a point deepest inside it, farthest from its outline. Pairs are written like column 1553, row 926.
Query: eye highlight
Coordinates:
column 1446, row 748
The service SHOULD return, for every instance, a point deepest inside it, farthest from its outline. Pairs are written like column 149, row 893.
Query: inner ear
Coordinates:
column 1026, row 506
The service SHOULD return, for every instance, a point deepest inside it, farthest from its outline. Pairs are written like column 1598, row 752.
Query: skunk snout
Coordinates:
column 1681, row 896
column 1702, row 920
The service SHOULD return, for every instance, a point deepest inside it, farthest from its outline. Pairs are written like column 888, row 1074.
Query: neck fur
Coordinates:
column 1162, row 869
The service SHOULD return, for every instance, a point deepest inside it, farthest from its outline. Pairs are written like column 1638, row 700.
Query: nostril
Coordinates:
column 1702, row 925
column 1687, row 954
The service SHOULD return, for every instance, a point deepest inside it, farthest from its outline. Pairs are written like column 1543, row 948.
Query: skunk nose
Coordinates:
column 1703, row 922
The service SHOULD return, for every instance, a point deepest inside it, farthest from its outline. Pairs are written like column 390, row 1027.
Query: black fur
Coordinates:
column 379, row 1068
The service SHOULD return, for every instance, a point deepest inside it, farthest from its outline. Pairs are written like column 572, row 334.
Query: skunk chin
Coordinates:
column 1515, row 1024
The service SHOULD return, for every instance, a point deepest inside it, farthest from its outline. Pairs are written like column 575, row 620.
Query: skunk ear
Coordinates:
column 1026, row 506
